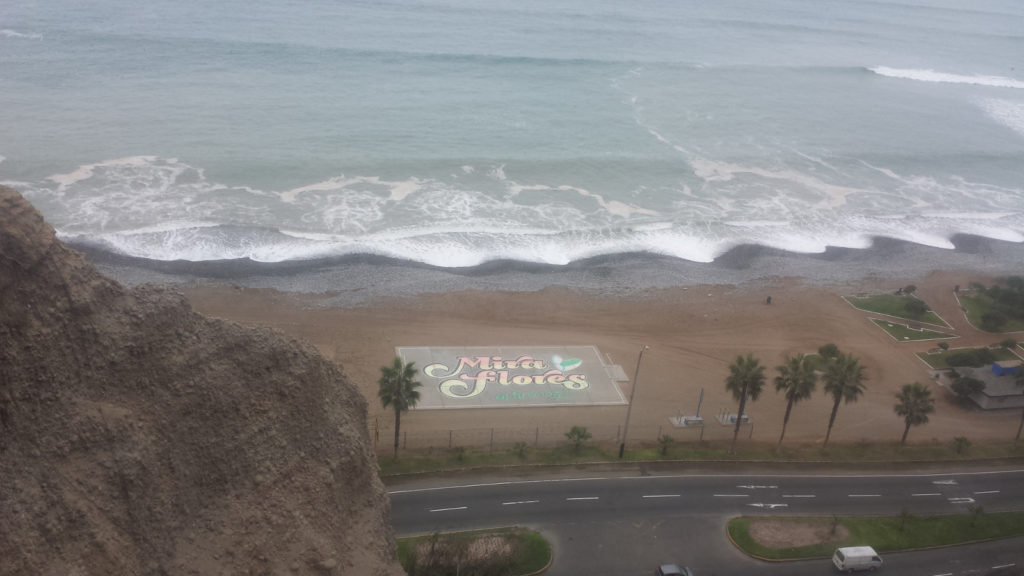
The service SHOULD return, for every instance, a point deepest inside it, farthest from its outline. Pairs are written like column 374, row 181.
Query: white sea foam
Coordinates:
column 87, row 171
column 8, row 33
column 164, row 209
column 946, row 77
column 1009, row 113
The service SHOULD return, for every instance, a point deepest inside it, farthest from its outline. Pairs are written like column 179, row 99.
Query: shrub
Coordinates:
column 519, row 449
column 964, row 387
column 915, row 308
column 577, row 436
column 961, row 444
column 944, row 345
column 1009, row 343
column 664, row 442
column 829, row 351
column 909, row 289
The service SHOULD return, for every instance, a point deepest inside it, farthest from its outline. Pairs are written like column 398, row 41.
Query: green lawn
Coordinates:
column 974, row 306
column 529, row 553
column 904, row 333
column 893, row 305
column 867, row 453
column 889, row 533
column 937, row 361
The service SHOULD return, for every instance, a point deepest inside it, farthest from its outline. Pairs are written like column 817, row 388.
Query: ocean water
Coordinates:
column 455, row 133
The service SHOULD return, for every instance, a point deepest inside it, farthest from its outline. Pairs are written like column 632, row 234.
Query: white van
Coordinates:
column 856, row 558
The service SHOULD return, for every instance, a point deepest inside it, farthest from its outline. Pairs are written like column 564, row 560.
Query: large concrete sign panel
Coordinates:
column 513, row 376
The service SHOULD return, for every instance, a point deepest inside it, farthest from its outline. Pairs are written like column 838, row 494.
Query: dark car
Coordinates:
column 672, row 570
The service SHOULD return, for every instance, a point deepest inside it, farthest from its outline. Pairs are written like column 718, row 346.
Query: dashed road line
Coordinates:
column 946, row 574
column 732, row 495
column 585, row 498
column 928, row 494
column 988, row 492
column 1003, row 566
column 449, row 509
column 799, row 496
column 864, row 495
column 661, row 495
column 520, row 502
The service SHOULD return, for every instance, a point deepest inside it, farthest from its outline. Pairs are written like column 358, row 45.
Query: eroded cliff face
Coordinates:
column 138, row 437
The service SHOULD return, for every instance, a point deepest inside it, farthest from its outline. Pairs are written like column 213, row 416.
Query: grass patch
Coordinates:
column 512, row 551
column 411, row 462
column 889, row 533
column 975, row 305
column 937, row 361
column 893, row 305
column 706, row 451
column 904, row 333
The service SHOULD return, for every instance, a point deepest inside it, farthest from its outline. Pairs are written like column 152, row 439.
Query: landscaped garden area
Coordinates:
column 974, row 357
column 997, row 308
column 884, row 534
column 511, row 551
column 904, row 333
column 902, row 305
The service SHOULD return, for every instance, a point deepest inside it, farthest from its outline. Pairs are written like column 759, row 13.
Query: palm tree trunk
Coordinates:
column 739, row 419
column 832, row 419
column 785, row 420
column 398, row 420
column 906, row 431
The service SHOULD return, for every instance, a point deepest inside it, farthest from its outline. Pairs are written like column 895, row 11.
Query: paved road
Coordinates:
column 626, row 525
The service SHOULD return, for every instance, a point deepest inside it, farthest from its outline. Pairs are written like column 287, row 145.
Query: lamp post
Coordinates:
column 632, row 393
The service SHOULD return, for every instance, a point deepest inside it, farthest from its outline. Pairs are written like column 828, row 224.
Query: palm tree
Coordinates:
column 398, row 389
column 746, row 378
column 915, row 404
column 798, row 380
column 844, row 380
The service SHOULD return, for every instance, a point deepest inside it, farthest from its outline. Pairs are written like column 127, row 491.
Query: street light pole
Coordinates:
column 632, row 393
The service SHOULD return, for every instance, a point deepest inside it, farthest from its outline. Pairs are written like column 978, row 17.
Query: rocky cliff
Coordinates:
column 138, row 437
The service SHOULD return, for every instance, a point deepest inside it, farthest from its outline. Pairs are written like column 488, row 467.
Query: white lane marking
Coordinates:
column 1003, row 566
column 946, row 574
column 864, row 495
column 584, row 498
column 988, row 492
column 678, row 476
column 661, row 496
column 448, row 509
column 756, row 487
column 928, row 494
column 799, row 496
column 520, row 502
column 946, row 482
column 769, row 506
column 732, row 495
column 961, row 500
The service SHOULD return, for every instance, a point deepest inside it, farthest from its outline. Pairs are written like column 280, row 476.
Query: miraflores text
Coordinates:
column 462, row 382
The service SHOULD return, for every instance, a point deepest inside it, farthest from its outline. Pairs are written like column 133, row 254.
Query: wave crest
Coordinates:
column 8, row 33
column 927, row 75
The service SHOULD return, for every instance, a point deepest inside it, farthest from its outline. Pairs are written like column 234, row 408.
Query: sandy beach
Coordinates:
column 694, row 333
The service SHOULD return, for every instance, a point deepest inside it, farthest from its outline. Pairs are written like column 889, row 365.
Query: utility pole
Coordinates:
column 632, row 393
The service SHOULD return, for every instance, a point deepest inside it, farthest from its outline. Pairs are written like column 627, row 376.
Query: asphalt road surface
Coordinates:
column 627, row 525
